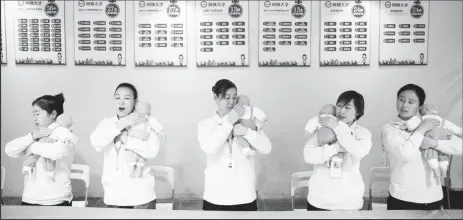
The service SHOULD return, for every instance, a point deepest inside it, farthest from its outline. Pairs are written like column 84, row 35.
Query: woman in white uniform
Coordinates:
column 122, row 190
column 41, row 189
column 230, row 176
column 412, row 185
column 344, row 191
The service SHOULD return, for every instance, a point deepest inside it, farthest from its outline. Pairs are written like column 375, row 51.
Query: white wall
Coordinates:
column 181, row 97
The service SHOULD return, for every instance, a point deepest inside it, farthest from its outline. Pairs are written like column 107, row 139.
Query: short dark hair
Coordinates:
column 222, row 86
column 416, row 89
column 51, row 103
column 358, row 100
column 129, row 86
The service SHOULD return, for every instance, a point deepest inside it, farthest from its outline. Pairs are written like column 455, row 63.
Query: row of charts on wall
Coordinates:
column 222, row 32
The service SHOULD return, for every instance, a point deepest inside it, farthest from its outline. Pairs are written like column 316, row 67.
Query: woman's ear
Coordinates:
column 54, row 114
column 419, row 109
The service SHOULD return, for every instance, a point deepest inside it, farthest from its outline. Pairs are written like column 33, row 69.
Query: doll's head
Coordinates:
column 328, row 109
column 428, row 109
column 244, row 100
column 143, row 108
column 64, row 120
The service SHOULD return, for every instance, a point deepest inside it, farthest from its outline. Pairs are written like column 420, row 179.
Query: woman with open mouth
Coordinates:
column 334, row 187
column 122, row 190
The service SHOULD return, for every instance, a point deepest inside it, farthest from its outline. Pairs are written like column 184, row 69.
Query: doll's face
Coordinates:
column 143, row 108
column 244, row 100
column 429, row 110
column 328, row 109
column 64, row 121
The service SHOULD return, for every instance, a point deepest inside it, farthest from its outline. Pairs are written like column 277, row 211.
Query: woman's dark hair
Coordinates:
column 129, row 86
column 222, row 86
column 51, row 103
column 416, row 89
column 358, row 100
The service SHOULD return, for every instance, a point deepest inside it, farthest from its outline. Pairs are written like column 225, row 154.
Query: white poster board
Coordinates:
column 222, row 33
column 99, row 32
column 3, row 40
column 404, row 32
column 345, row 33
column 284, row 33
column 40, row 32
column 160, row 33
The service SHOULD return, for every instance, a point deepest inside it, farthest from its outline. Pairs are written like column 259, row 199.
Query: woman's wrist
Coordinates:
column 33, row 137
column 420, row 131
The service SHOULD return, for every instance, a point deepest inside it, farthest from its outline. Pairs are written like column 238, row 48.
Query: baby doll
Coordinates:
column 325, row 136
column 49, row 165
column 136, row 162
column 253, row 118
column 437, row 160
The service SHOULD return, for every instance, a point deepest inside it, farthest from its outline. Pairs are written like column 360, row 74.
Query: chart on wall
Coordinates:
column 345, row 33
column 222, row 33
column 404, row 32
column 39, row 32
column 284, row 33
column 160, row 33
column 99, row 32
column 3, row 40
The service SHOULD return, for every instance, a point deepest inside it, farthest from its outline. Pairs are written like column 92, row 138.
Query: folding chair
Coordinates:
column 164, row 174
column 81, row 172
column 299, row 180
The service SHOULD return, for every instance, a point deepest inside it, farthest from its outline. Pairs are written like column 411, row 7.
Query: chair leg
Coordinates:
column 173, row 199
column 370, row 202
column 292, row 202
column 448, row 197
column 86, row 197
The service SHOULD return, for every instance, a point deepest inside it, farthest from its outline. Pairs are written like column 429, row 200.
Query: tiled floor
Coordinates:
column 263, row 205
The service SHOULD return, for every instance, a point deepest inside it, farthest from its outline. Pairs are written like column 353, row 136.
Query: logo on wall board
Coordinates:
column 328, row 4
column 203, row 4
column 141, row 4
column 417, row 10
column 267, row 3
column 387, row 4
column 235, row 10
column 298, row 10
column 51, row 9
column 173, row 10
column 81, row 3
column 112, row 9
column 358, row 11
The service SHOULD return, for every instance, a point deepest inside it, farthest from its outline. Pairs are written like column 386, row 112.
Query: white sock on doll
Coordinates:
column 443, row 166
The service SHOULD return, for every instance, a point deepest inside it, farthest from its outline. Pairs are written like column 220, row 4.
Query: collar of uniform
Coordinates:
column 53, row 125
column 217, row 118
